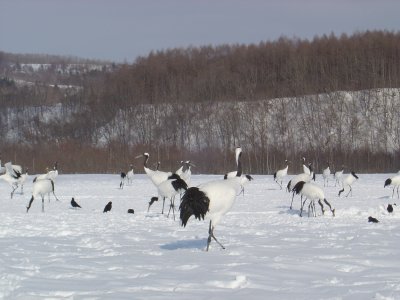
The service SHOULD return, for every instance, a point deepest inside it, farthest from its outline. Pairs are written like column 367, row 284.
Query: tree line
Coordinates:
column 279, row 99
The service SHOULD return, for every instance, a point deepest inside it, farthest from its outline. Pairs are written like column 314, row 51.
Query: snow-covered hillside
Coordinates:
column 271, row 252
column 349, row 121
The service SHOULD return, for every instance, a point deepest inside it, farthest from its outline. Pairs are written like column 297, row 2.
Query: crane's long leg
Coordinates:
column 12, row 193
column 29, row 205
column 332, row 210
column 42, row 203
column 398, row 192
column 309, row 208
column 302, row 205
column 291, row 203
column 322, row 206
column 211, row 235
column 280, row 185
column 301, row 199
column 172, row 206
column 349, row 192
column 55, row 196
column 162, row 212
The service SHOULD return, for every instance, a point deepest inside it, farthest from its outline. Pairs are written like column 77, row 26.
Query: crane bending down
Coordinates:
column 347, row 182
column 312, row 192
column 12, row 177
column 395, row 182
column 41, row 188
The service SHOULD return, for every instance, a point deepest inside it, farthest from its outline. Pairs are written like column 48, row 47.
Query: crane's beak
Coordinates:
column 139, row 156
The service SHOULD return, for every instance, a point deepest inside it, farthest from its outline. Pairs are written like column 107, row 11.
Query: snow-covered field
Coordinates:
column 271, row 252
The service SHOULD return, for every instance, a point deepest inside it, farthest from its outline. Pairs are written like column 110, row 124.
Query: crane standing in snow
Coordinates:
column 213, row 199
column 41, row 188
column 312, row 192
column 130, row 174
column 395, row 182
column 338, row 176
column 326, row 173
column 280, row 174
column 347, row 182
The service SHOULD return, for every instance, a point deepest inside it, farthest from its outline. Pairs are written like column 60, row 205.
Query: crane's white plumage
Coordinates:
column 169, row 188
column 155, row 176
column 130, row 174
column 280, row 174
column 50, row 174
column 298, row 178
column 53, row 173
column 244, row 178
column 212, row 199
column 338, row 176
column 41, row 188
column 12, row 177
column 347, row 182
column 326, row 173
column 22, row 180
column 395, row 182
column 306, row 169
column 312, row 192
column 185, row 171
column 2, row 169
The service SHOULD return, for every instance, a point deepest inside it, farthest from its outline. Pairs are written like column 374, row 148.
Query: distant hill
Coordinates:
column 330, row 99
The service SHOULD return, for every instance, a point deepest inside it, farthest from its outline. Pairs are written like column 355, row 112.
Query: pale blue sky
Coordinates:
column 121, row 30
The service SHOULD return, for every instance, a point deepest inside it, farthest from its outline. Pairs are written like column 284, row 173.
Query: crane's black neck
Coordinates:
column 239, row 166
column 146, row 158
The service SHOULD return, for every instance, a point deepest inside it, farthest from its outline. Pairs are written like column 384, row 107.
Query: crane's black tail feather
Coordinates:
column 194, row 202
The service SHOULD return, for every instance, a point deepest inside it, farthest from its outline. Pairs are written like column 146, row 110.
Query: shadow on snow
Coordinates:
column 185, row 244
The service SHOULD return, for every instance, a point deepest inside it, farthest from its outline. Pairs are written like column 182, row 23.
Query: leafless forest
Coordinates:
column 330, row 99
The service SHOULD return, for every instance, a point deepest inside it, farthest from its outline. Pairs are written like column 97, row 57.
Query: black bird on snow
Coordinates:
column 108, row 207
column 390, row 207
column 131, row 211
column 152, row 200
column 74, row 204
column 372, row 219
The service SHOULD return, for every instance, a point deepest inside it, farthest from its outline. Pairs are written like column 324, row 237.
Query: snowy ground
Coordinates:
column 271, row 252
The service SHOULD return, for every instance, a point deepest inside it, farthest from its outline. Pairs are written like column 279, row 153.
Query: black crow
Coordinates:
column 152, row 200
column 372, row 219
column 108, row 207
column 74, row 204
column 390, row 208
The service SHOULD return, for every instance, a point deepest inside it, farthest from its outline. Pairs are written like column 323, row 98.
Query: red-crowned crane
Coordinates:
column 347, row 182
column 280, row 174
column 130, row 174
column 156, row 176
column 12, row 177
column 185, row 171
column 338, row 176
column 326, row 173
column 41, row 188
column 169, row 189
column 395, row 182
column 212, row 199
column 312, row 192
